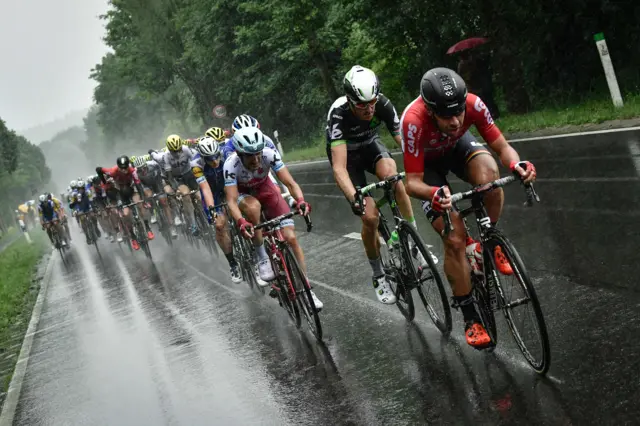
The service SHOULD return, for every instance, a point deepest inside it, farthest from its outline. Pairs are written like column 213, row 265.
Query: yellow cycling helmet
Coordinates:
column 174, row 143
column 216, row 133
column 132, row 158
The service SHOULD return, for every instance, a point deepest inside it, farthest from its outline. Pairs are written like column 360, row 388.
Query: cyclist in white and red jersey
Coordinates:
column 125, row 178
column 436, row 140
column 249, row 191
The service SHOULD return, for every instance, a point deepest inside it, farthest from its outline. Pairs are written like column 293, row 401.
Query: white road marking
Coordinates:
column 634, row 150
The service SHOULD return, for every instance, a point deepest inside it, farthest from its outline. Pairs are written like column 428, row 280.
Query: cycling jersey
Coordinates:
column 121, row 177
column 235, row 173
column 47, row 211
column 82, row 201
column 343, row 127
column 227, row 147
column 214, row 176
column 151, row 174
column 158, row 157
column 422, row 141
column 179, row 163
column 257, row 183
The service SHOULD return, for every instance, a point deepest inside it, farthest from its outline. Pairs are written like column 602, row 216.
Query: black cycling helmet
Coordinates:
column 444, row 92
column 123, row 162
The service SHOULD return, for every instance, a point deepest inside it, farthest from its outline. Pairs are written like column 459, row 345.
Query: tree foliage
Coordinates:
column 283, row 61
column 23, row 172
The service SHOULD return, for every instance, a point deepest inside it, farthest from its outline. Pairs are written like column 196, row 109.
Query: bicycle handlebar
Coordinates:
column 276, row 221
column 479, row 191
column 382, row 184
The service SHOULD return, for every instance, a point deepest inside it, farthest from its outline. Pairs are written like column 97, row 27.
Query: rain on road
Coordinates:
column 126, row 341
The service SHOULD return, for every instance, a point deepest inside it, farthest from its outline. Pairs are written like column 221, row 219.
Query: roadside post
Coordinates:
column 609, row 72
column 278, row 144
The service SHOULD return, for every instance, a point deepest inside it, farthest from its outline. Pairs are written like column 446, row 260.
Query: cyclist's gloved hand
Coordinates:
column 303, row 207
column 246, row 228
column 152, row 151
column 211, row 215
column 525, row 169
column 441, row 200
column 358, row 205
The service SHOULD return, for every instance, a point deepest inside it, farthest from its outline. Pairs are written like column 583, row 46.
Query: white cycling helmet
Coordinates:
column 73, row 184
column 248, row 140
column 208, row 147
column 42, row 198
column 361, row 84
column 244, row 120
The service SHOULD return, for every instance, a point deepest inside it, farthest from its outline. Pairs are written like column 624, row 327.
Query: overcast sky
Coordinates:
column 47, row 50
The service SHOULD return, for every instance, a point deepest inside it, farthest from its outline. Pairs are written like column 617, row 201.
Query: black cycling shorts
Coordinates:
column 364, row 159
column 455, row 160
column 189, row 180
column 112, row 195
column 126, row 194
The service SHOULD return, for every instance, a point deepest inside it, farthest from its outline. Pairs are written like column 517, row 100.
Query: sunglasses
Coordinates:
column 211, row 158
column 243, row 155
column 365, row 105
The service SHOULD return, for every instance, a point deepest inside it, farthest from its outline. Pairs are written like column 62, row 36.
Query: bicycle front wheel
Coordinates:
column 425, row 277
column 394, row 275
column 521, row 308
column 303, row 293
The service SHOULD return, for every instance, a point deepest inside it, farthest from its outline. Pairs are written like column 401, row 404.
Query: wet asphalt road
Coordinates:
column 124, row 341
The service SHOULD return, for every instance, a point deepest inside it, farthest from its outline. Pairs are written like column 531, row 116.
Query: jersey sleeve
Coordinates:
column 269, row 143
column 387, row 113
column 230, row 171
column 335, row 122
column 166, row 161
column 482, row 119
column 412, row 131
column 197, row 167
column 134, row 175
column 274, row 159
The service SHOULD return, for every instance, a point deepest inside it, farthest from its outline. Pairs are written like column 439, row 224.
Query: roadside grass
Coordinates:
column 591, row 111
column 11, row 231
column 18, row 293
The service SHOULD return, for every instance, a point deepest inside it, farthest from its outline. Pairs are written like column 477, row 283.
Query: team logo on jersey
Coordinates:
column 230, row 176
column 411, row 139
column 479, row 106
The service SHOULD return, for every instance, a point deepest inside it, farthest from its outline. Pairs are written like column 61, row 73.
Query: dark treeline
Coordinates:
column 283, row 60
column 23, row 173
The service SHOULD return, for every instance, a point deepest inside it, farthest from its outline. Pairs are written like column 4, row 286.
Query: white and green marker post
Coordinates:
column 601, row 44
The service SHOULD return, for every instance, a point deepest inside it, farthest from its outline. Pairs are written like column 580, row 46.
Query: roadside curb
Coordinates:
column 13, row 394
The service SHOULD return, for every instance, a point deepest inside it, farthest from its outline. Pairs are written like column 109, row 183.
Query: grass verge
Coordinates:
column 592, row 111
column 18, row 293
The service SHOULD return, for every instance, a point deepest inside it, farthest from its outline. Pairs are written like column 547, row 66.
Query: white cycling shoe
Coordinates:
column 317, row 302
column 153, row 219
column 177, row 221
column 383, row 290
column 265, row 272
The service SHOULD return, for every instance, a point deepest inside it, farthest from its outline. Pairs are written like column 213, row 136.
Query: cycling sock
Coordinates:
column 261, row 252
column 412, row 222
column 467, row 307
column 376, row 266
column 230, row 259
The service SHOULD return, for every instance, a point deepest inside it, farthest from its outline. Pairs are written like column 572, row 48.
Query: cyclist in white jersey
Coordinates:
column 249, row 191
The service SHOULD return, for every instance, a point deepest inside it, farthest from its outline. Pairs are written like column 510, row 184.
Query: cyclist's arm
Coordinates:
column 416, row 188
column 389, row 115
column 203, row 183
column 286, row 178
column 505, row 152
column 231, row 194
column 340, row 173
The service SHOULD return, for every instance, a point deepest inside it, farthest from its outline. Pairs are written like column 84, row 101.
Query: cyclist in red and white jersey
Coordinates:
column 249, row 191
column 125, row 178
column 436, row 140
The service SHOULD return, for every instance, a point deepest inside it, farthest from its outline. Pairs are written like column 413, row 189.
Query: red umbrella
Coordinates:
column 469, row 43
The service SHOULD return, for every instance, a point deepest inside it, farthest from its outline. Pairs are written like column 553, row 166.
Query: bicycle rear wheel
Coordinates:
column 303, row 293
column 528, row 327
column 428, row 282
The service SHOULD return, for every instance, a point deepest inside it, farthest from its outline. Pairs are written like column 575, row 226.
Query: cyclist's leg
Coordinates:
column 382, row 165
column 170, row 208
column 250, row 208
column 186, row 202
column 146, row 213
column 475, row 165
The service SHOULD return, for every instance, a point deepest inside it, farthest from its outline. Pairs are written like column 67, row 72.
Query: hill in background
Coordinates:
column 46, row 131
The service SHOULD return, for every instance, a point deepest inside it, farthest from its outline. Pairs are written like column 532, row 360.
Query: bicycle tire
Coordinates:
column 303, row 292
column 541, row 366
column 163, row 226
column 285, row 283
column 404, row 298
column 442, row 322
